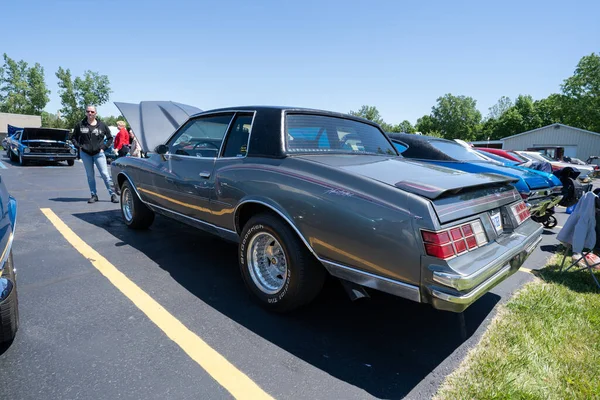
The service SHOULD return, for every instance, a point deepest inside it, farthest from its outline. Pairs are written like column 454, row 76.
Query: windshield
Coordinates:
column 456, row 151
column 517, row 156
column 542, row 157
column 323, row 134
column 497, row 158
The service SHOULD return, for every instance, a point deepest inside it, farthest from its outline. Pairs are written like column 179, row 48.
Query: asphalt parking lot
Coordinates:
column 82, row 336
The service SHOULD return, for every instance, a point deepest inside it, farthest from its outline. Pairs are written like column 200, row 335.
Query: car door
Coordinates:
column 235, row 148
column 186, row 182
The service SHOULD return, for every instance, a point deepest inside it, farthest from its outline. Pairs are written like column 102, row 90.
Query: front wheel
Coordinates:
column 276, row 266
column 70, row 163
column 135, row 213
column 22, row 161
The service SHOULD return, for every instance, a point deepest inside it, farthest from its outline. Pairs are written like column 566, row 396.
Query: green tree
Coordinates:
column 50, row 120
column 37, row 91
column 552, row 109
column 76, row 94
column 23, row 89
column 456, row 117
column 426, row 124
column 582, row 91
column 369, row 112
column 406, row 127
column 503, row 104
column 111, row 120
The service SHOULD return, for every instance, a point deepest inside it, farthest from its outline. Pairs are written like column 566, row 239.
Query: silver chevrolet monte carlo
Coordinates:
column 306, row 193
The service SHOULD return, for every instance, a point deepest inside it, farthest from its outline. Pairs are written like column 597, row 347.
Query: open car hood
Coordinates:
column 154, row 121
column 60, row 135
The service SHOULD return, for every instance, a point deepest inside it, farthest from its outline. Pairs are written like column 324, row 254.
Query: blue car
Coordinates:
column 510, row 163
column 534, row 186
column 9, row 314
column 39, row 145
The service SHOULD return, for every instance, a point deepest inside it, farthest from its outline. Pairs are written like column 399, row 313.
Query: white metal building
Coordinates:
column 20, row 120
column 576, row 142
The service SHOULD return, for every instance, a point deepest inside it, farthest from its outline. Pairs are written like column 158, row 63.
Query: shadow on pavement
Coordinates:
column 385, row 345
column 70, row 199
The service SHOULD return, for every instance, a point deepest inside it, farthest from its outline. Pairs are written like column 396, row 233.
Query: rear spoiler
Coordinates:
column 459, row 184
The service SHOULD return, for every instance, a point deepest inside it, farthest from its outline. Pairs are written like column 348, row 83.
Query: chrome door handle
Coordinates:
column 204, row 175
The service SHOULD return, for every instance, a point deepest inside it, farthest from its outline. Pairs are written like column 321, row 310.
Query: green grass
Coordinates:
column 543, row 344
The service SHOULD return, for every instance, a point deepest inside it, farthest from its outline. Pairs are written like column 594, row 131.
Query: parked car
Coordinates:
column 533, row 186
column 41, row 144
column 307, row 192
column 503, row 153
column 9, row 305
column 533, row 156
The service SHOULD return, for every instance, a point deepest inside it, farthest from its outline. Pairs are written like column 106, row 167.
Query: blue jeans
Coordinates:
column 100, row 161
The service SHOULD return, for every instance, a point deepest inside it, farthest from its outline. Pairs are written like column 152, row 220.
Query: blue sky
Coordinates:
column 337, row 55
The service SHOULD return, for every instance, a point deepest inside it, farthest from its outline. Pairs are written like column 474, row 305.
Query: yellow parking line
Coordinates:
column 225, row 373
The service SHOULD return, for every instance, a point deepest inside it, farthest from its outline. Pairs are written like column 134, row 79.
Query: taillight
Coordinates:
column 524, row 196
column 520, row 211
column 454, row 241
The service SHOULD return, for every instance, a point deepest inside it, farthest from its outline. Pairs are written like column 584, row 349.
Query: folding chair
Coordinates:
column 588, row 237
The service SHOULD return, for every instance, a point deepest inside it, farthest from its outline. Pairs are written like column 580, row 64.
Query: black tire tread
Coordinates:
column 309, row 273
column 9, row 311
column 143, row 217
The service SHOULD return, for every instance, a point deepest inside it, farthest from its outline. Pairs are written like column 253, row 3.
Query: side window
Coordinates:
column 201, row 137
column 237, row 140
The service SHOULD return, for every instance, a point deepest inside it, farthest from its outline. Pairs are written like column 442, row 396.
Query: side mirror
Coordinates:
column 162, row 149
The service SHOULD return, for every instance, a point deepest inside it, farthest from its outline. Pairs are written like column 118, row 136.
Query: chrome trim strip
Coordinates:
column 373, row 281
column 475, row 294
column 235, row 214
column 465, row 282
column 9, row 243
column 194, row 219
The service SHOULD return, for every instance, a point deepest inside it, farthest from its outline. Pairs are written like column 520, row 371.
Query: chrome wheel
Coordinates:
column 127, row 204
column 267, row 263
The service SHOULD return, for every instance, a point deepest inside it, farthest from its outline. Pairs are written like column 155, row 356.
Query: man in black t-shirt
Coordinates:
column 88, row 137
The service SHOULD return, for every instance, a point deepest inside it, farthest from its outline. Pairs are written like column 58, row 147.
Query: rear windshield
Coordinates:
column 320, row 134
column 456, row 151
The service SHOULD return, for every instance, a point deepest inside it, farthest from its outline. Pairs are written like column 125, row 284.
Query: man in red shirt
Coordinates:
column 122, row 139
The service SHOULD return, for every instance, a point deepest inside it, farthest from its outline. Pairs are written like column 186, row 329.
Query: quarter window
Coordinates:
column 201, row 137
column 236, row 144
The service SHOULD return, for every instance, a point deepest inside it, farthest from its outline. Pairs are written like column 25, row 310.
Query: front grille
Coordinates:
column 49, row 150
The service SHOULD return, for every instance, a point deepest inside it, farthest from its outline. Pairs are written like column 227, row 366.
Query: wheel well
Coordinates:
column 249, row 210
column 120, row 179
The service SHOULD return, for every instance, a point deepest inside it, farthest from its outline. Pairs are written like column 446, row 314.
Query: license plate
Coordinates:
column 496, row 221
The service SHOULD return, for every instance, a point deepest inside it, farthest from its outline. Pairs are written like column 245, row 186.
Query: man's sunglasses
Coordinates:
column 91, row 112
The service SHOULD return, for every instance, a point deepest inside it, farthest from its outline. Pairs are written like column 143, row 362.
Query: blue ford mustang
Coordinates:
column 534, row 186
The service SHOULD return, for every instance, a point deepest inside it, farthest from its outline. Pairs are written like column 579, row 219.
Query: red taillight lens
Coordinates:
column 436, row 238
column 520, row 211
column 454, row 241
column 524, row 196
column 471, row 242
column 443, row 252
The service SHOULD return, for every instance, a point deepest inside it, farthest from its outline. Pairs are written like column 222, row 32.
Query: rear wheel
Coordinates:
column 9, row 308
column 135, row 213
column 276, row 266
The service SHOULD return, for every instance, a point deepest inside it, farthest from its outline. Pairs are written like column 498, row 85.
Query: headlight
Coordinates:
column 73, row 151
column 26, row 150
